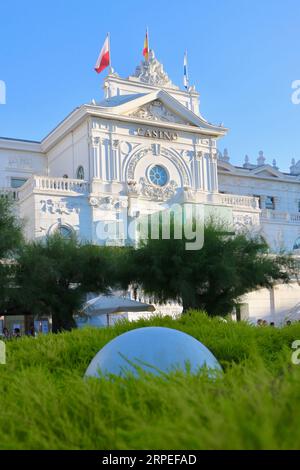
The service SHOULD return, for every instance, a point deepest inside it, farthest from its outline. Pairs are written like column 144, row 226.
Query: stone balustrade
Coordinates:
column 295, row 218
column 280, row 216
column 46, row 184
column 10, row 193
column 239, row 201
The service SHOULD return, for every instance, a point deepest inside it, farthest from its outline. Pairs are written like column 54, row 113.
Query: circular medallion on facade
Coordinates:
column 158, row 175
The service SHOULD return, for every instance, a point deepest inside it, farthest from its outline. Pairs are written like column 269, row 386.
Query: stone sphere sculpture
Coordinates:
column 152, row 349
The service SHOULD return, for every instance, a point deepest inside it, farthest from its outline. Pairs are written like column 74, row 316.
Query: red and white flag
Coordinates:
column 104, row 57
column 146, row 47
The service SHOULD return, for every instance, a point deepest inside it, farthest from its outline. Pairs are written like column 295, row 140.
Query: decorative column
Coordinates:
column 276, row 203
column 204, row 172
column 95, row 163
column 214, row 164
column 198, row 169
column 116, row 160
column 105, row 157
column 208, row 169
column 194, row 170
column 263, row 201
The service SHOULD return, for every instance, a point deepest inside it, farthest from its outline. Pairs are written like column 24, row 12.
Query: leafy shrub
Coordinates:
column 45, row 403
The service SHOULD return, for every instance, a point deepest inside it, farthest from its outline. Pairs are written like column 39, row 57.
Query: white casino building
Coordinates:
column 145, row 145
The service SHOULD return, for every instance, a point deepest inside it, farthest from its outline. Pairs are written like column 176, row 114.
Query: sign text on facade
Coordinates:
column 157, row 134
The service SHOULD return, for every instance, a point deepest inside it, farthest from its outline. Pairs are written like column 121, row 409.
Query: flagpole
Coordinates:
column 187, row 71
column 148, row 42
column 187, row 79
column 109, row 47
column 189, row 88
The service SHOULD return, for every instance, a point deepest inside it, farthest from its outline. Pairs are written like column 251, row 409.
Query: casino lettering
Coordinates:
column 157, row 134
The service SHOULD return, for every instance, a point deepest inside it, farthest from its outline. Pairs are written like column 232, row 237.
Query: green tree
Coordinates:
column 212, row 278
column 54, row 275
column 11, row 239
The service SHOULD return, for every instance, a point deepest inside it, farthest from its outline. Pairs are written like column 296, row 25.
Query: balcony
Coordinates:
column 237, row 202
column 59, row 186
column 10, row 193
column 280, row 216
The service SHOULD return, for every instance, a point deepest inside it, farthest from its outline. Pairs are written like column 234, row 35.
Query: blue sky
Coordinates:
column 243, row 57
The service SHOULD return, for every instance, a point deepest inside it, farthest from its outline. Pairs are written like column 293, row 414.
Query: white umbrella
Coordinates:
column 292, row 315
column 109, row 304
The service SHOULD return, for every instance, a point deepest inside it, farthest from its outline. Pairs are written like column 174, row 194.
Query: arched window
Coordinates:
column 80, row 173
column 64, row 230
column 65, row 177
column 297, row 244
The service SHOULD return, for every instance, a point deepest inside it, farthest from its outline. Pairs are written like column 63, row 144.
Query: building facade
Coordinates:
column 142, row 148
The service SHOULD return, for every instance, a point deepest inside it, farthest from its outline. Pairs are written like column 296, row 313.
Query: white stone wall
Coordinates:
column 43, row 213
column 276, row 305
column 70, row 153
column 281, row 226
column 286, row 192
column 20, row 160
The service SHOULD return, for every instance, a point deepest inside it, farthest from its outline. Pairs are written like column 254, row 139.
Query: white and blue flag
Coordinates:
column 186, row 81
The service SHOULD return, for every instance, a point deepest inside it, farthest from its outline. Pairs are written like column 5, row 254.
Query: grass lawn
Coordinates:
column 46, row 404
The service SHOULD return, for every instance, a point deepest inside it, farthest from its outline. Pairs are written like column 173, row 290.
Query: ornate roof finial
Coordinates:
column 274, row 164
column 226, row 157
column 152, row 73
column 247, row 163
column 295, row 168
column 151, row 55
column 261, row 158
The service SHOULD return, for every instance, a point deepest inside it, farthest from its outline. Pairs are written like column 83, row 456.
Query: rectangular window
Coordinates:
column 298, row 206
column 270, row 203
column 17, row 182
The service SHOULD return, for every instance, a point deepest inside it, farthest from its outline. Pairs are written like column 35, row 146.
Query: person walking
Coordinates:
column 17, row 333
column 32, row 331
column 6, row 334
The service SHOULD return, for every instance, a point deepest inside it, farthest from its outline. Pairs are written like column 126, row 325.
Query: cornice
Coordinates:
column 80, row 114
column 21, row 145
column 256, row 176
column 126, row 81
